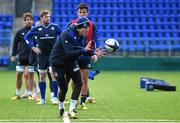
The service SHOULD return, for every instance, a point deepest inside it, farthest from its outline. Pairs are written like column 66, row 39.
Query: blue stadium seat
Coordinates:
column 6, row 24
column 142, row 19
column 4, row 60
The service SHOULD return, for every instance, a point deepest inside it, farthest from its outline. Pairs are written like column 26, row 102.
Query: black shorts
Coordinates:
column 33, row 58
column 71, row 71
column 85, row 63
column 23, row 62
column 43, row 62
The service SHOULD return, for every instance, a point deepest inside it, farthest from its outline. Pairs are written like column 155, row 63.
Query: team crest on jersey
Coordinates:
column 23, row 33
column 39, row 29
column 52, row 28
column 75, row 37
column 66, row 41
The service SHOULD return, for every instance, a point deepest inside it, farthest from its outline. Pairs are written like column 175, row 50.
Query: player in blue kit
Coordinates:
column 64, row 57
column 46, row 34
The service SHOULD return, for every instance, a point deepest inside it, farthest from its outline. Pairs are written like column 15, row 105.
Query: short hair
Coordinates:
column 27, row 14
column 44, row 12
column 83, row 6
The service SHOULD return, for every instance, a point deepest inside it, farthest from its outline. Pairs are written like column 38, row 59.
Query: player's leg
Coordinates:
column 63, row 86
column 42, row 85
column 26, row 79
column 74, row 71
column 89, row 98
column 68, row 79
column 43, row 64
column 85, row 65
column 84, row 89
column 19, row 73
column 54, row 87
column 36, row 89
column 59, row 74
column 31, row 81
column 50, row 84
column 33, row 63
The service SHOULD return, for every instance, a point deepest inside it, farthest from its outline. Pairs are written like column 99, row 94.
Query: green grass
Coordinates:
column 118, row 96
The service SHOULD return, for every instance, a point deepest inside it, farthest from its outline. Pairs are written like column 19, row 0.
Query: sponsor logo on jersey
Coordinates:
column 49, row 37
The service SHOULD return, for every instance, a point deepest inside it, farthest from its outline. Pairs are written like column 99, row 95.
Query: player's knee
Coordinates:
column 42, row 77
column 78, row 85
column 63, row 90
column 85, row 81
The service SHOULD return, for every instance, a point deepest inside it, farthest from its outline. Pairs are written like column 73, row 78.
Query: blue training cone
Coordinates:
column 143, row 81
column 149, row 86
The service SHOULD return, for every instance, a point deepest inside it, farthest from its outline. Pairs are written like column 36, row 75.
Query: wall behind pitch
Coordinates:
column 138, row 63
column 22, row 6
column 133, row 63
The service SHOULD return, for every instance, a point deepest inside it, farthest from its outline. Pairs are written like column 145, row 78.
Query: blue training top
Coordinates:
column 46, row 37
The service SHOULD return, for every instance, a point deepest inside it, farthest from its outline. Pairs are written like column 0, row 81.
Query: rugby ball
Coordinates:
column 111, row 45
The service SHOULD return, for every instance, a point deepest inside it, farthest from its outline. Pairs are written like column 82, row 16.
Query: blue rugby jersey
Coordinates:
column 46, row 37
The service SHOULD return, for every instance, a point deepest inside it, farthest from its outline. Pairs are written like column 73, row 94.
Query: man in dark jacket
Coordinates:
column 64, row 57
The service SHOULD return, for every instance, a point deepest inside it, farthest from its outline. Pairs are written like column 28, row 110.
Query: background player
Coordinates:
column 34, row 60
column 84, row 62
column 46, row 37
column 21, row 48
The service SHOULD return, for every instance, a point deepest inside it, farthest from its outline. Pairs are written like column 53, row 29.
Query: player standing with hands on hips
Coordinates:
column 63, row 60
column 46, row 34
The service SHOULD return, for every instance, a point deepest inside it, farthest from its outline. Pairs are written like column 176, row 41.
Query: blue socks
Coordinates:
column 83, row 99
column 55, row 88
column 42, row 87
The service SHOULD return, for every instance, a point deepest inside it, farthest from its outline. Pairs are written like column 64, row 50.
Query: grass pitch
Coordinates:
column 118, row 98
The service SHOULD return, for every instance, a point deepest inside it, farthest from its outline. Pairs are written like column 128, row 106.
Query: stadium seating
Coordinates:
column 142, row 25
column 6, row 24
